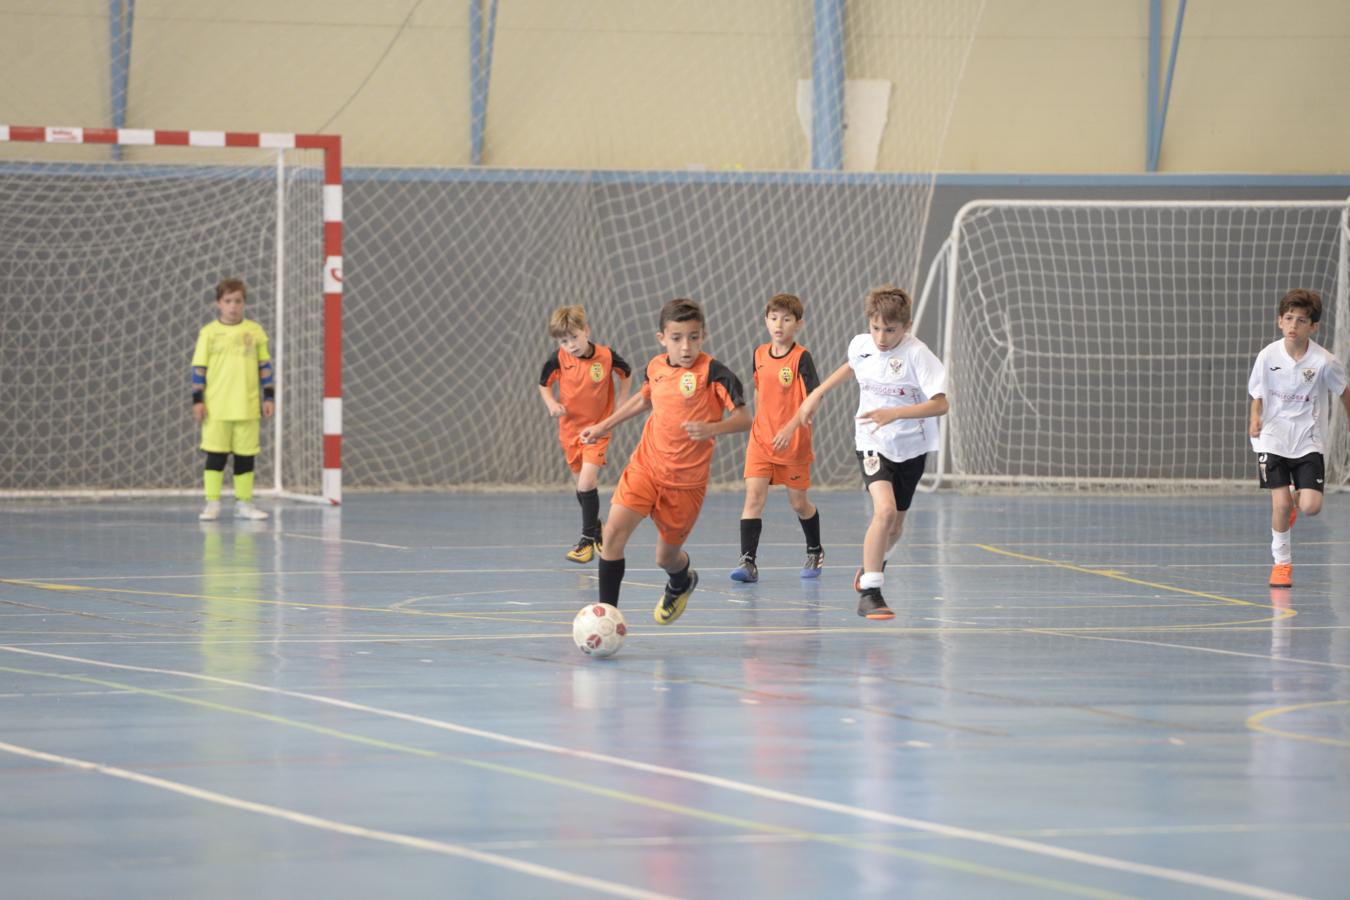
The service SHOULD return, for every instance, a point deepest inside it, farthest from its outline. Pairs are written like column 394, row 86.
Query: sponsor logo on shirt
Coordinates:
column 1275, row 368
column 881, row 387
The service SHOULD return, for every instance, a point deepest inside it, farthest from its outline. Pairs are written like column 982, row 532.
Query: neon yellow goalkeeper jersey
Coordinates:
column 231, row 355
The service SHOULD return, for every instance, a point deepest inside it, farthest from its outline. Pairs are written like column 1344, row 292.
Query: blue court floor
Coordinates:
column 1091, row 697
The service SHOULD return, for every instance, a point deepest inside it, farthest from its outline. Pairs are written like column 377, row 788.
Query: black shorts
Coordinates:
column 1305, row 473
column 903, row 476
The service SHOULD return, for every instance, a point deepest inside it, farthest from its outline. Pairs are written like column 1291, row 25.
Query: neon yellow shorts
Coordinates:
column 237, row 436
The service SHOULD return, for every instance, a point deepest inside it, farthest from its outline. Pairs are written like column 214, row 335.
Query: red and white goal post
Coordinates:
column 108, row 257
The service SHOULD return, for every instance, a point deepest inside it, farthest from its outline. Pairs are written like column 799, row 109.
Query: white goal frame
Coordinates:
column 944, row 288
column 330, row 146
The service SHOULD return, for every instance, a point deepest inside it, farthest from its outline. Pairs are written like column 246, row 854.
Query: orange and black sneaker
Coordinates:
column 871, row 605
column 1282, row 575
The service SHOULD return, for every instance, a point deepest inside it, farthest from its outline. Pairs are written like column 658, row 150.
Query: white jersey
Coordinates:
column 906, row 375
column 1291, row 392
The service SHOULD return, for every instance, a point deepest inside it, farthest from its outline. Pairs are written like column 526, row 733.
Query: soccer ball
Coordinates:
column 599, row 629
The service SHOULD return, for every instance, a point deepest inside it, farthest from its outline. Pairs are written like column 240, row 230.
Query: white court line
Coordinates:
column 299, row 818
column 332, row 540
column 1262, row 656
column 952, row 831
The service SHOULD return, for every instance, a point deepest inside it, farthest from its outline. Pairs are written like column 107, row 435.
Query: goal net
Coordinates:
column 111, row 243
column 1107, row 345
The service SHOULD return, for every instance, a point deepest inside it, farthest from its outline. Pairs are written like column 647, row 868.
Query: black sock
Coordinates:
column 750, row 531
column 611, row 579
column 590, row 512
column 680, row 580
column 811, row 528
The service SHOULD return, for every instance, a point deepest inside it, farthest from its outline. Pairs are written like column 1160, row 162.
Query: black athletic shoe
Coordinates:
column 871, row 605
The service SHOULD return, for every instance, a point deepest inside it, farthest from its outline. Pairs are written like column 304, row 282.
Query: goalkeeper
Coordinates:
column 231, row 372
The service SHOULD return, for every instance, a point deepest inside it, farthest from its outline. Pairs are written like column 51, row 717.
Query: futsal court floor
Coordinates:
column 1080, row 696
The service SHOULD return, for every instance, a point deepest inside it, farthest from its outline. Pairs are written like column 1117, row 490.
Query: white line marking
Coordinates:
column 329, row 540
column 952, row 831
column 1262, row 656
column 299, row 818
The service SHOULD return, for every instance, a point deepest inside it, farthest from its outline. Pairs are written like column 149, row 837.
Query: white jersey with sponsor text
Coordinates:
column 1293, row 394
column 906, row 375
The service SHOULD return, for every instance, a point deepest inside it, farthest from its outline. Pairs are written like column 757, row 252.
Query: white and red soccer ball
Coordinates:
column 599, row 630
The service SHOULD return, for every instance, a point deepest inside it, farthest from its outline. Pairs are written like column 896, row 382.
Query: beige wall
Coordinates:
column 1050, row 85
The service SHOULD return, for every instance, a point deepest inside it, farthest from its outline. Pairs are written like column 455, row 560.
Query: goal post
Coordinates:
column 1106, row 345
column 111, row 241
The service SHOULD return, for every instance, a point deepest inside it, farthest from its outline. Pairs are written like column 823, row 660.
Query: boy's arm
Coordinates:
column 807, row 411
column 1254, row 421
column 1345, row 401
column 739, row 420
column 620, row 367
column 635, row 405
column 267, row 382
column 198, row 393
column 555, row 409
column 935, row 406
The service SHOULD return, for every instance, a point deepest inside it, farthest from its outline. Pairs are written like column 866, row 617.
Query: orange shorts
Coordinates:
column 757, row 465
column 578, row 453
column 673, row 510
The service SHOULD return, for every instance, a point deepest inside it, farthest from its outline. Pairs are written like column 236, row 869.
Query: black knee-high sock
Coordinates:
column 750, row 531
column 611, row 579
column 680, row 580
column 590, row 512
column 811, row 528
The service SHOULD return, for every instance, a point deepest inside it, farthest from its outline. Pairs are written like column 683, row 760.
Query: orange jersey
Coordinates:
column 700, row 393
column 585, row 387
column 781, row 384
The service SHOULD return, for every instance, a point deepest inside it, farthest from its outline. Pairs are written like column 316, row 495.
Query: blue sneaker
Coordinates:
column 747, row 572
column 815, row 561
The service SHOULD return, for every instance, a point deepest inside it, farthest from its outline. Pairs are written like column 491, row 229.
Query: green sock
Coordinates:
column 213, row 480
column 243, row 487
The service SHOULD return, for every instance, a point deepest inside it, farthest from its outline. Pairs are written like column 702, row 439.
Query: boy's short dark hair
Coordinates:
column 891, row 303
column 229, row 286
column 1306, row 300
column 788, row 303
column 565, row 320
column 681, row 310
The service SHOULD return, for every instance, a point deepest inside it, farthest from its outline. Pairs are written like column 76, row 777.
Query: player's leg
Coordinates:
column 588, row 495
column 876, row 543
column 808, row 516
column 1308, row 475
column 632, row 502
column 1275, row 477
column 216, row 444
column 752, row 525
column 674, row 515
column 246, row 445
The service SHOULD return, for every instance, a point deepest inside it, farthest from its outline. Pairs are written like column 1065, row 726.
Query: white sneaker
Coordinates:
column 246, row 510
column 210, row 512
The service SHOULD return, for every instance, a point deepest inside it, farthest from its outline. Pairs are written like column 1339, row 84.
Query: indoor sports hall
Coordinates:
column 1090, row 686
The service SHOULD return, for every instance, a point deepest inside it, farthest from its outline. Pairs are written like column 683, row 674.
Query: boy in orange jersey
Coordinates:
column 584, row 372
column 687, row 392
column 784, row 374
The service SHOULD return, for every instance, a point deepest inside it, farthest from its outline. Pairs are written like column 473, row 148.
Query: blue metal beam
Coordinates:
column 480, row 74
column 1157, row 106
column 827, row 85
column 121, row 15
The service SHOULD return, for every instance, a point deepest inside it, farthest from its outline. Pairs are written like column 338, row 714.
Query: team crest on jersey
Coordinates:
column 896, row 366
column 597, row 372
column 1309, row 375
column 785, row 376
column 688, row 384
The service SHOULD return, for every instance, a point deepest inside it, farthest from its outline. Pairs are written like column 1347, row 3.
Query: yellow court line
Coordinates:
column 1256, row 723
column 1117, row 576
column 947, row 862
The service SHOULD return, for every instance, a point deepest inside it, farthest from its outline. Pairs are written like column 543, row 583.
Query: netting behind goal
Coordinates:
column 1108, row 345
column 107, row 271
